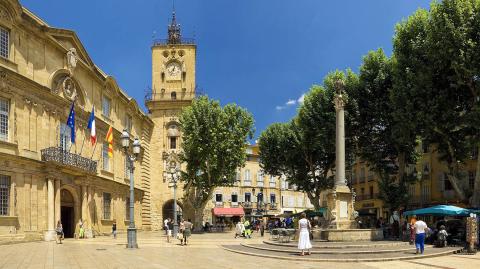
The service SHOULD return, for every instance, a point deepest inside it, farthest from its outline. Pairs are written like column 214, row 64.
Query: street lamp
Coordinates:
column 174, row 172
column 131, row 230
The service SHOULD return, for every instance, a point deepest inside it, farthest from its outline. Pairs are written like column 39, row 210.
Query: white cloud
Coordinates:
column 301, row 98
column 291, row 102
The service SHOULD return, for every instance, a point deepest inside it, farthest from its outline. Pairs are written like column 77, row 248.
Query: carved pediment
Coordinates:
column 69, row 41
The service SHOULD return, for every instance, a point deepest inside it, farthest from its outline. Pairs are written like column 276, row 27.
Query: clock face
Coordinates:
column 174, row 71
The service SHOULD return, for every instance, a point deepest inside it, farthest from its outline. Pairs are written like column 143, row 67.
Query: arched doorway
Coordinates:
column 167, row 210
column 67, row 213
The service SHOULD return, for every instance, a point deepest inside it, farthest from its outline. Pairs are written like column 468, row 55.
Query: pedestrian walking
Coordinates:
column 248, row 229
column 239, row 229
column 114, row 229
column 169, row 230
column 304, row 235
column 187, row 231
column 412, row 229
column 81, row 233
column 181, row 228
column 165, row 225
column 262, row 228
column 420, row 229
column 59, row 232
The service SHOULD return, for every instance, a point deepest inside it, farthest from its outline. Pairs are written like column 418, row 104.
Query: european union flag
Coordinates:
column 71, row 123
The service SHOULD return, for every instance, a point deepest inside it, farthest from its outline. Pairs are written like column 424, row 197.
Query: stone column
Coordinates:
column 84, row 203
column 50, row 233
column 340, row 142
column 57, row 201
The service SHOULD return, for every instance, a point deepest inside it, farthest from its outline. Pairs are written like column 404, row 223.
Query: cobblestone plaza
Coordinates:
column 204, row 251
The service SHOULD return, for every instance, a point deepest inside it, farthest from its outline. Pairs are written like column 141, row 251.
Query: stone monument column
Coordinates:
column 340, row 199
column 340, row 141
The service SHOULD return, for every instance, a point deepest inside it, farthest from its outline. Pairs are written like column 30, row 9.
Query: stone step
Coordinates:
column 335, row 251
column 329, row 257
column 336, row 245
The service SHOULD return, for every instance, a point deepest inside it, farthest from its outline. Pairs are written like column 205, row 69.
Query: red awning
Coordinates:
column 224, row 211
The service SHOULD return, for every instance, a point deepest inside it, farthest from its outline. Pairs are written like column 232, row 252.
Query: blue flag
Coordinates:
column 71, row 123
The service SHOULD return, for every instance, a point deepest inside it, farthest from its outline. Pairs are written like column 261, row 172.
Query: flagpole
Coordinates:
column 93, row 152
column 83, row 142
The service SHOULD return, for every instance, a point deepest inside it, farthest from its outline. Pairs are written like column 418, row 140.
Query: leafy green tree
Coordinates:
column 214, row 146
column 379, row 144
column 303, row 150
column 438, row 63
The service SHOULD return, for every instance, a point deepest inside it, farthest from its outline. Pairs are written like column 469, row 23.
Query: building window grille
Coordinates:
column 107, row 203
column 4, row 113
column 106, row 106
column 4, row 42
column 127, row 208
column 173, row 142
column 260, row 179
column 4, row 195
column 247, row 180
column 272, row 182
column 273, row 199
column 362, row 175
column 65, row 136
column 105, row 157
column 128, row 123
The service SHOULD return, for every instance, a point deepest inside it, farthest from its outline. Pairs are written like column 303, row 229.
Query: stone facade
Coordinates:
column 43, row 177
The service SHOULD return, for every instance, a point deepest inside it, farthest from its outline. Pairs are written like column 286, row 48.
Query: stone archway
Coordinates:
column 69, row 210
column 167, row 210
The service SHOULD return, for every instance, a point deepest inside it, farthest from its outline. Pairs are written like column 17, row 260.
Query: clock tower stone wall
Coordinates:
column 173, row 88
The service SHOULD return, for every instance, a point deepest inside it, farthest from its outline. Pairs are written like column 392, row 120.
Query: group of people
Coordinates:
column 246, row 228
column 184, row 230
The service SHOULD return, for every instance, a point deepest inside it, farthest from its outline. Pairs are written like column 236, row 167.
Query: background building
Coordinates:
column 431, row 186
column 255, row 194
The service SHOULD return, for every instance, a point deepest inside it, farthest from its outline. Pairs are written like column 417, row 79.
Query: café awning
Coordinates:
column 439, row 210
column 228, row 211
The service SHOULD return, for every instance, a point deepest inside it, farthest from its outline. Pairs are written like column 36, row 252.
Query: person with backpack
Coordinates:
column 441, row 237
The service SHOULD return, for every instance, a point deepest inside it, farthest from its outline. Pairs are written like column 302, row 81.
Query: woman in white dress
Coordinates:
column 304, row 235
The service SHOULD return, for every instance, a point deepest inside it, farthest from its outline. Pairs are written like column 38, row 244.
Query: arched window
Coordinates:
column 173, row 135
column 174, row 95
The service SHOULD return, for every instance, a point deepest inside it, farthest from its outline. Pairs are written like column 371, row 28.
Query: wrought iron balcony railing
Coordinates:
column 63, row 157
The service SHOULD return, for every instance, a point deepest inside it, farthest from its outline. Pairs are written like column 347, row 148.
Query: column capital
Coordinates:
column 339, row 101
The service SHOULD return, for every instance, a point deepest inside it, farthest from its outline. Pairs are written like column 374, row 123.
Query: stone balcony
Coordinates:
column 67, row 160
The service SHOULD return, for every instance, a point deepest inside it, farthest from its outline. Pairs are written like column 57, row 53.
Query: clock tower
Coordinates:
column 173, row 87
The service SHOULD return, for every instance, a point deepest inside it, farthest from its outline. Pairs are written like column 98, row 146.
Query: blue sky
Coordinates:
column 262, row 55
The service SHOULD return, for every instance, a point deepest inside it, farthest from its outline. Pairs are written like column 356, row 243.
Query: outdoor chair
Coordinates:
column 275, row 235
column 284, row 236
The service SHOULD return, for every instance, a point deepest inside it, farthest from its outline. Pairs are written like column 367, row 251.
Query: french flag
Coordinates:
column 91, row 126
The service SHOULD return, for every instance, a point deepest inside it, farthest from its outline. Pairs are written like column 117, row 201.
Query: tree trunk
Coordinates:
column 198, row 219
column 476, row 188
column 452, row 177
column 315, row 200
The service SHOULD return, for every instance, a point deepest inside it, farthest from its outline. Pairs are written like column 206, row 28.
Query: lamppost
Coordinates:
column 131, row 230
column 174, row 172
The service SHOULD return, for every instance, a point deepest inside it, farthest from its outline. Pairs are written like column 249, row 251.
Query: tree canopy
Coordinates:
column 303, row 150
column 214, row 141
